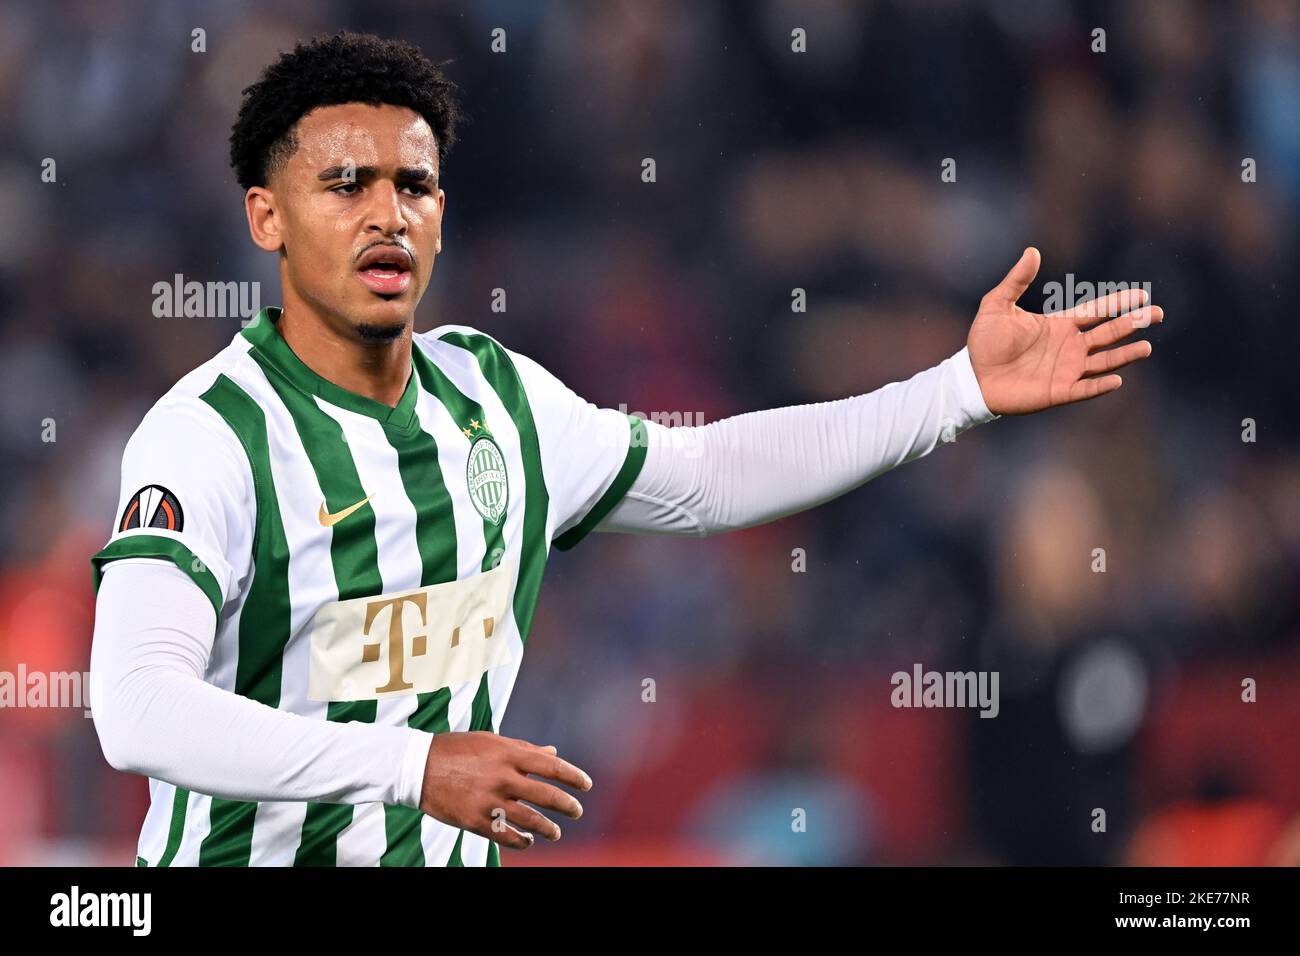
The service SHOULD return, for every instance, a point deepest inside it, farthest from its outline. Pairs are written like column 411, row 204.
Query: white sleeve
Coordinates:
column 757, row 467
column 186, row 496
column 155, row 715
column 590, row 455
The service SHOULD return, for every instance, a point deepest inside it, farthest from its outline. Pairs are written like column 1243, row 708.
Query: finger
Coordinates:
column 555, row 768
column 1108, row 333
column 1087, row 388
column 500, row 831
column 1017, row 280
column 525, row 817
column 549, row 748
column 1112, row 359
column 1117, row 303
column 541, row 794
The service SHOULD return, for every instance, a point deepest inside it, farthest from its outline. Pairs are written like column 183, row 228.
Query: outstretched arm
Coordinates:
column 754, row 468
column 760, row 466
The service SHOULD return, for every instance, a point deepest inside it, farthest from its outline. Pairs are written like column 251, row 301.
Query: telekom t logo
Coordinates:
column 397, row 638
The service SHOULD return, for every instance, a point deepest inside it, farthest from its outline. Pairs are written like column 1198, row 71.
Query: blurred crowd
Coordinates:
column 771, row 737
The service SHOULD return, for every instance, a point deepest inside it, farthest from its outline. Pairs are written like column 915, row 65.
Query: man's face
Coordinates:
column 358, row 213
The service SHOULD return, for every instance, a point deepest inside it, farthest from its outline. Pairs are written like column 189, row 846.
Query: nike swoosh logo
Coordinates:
column 329, row 520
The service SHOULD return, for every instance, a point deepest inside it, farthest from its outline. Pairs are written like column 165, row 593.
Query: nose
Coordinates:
column 384, row 212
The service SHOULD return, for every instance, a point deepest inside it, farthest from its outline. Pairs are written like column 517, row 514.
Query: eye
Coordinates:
column 417, row 190
column 343, row 186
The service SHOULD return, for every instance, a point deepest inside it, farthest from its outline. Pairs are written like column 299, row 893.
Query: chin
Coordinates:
column 383, row 321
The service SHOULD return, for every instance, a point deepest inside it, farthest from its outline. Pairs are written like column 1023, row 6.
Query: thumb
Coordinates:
column 1011, row 288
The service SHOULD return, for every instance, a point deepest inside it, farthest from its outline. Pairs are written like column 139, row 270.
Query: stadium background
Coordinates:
column 821, row 171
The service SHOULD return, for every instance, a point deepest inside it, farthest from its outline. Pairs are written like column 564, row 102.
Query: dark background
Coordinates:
column 1119, row 690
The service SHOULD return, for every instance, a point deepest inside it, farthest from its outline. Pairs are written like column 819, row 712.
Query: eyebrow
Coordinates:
column 409, row 174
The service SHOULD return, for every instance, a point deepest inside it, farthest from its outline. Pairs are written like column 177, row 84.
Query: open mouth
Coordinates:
column 385, row 270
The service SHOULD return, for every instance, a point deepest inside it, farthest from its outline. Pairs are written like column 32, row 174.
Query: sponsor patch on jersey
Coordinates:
column 153, row 506
column 485, row 473
column 410, row 642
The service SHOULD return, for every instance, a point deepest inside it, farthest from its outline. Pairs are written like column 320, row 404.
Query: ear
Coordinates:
column 442, row 206
column 263, row 219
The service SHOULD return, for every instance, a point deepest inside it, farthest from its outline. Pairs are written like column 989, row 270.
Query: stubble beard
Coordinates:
column 380, row 334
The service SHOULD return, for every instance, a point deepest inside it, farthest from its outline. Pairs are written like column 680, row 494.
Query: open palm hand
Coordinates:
column 1026, row 362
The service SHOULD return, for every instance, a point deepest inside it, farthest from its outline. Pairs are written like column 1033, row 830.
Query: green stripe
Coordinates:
column 177, row 829
column 264, row 621
column 636, row 451
column 355, row 557
column 435, row 526
column 158, row 546
column 500, row 373
column 435, row 534
column 480, row 715
column 463, row 411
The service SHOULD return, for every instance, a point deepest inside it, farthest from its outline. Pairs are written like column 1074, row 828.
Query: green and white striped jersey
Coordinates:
column 366, row 563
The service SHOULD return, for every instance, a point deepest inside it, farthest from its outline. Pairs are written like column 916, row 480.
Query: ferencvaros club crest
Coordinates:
column 485, row 473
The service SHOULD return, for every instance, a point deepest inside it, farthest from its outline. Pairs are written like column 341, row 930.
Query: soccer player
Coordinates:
column 331, row 535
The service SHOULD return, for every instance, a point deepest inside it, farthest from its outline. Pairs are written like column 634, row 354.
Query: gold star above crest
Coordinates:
column 466, row 432
column 473, row 423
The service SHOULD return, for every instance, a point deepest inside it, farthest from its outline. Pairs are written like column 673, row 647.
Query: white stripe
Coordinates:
column 437, row 839
column 277, row 829
column 474, row 850
column 364, row 840
column 157, row 821
column 197, row 824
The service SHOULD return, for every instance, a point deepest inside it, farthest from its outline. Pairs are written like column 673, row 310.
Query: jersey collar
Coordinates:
column 265, row 336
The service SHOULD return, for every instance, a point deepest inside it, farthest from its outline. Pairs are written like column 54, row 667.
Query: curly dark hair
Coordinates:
column 328, row 70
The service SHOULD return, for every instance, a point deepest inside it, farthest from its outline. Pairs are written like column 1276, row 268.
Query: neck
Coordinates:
column 377, row 370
